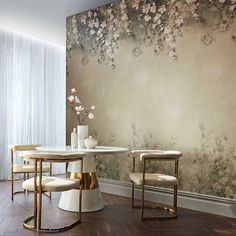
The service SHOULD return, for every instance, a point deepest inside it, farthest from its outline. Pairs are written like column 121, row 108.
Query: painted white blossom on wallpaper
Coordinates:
column 150, row 23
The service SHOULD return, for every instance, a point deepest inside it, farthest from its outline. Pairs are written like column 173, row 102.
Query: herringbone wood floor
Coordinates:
column 117, row 219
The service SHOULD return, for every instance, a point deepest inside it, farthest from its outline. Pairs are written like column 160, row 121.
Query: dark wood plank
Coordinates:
column 117, row 219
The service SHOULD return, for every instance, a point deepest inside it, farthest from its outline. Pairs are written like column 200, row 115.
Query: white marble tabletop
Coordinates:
column 97, row 150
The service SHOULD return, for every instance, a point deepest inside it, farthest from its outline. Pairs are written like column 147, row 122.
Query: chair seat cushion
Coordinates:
column 52, row 184
column 28, row 168
column 154, row 179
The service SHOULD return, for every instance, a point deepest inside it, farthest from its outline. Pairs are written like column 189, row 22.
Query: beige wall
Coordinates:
column 153, row 102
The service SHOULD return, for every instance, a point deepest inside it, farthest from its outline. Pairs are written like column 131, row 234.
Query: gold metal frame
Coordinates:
column 26, row 175
column 37, row 216
column 90, row 180
column 171, row 211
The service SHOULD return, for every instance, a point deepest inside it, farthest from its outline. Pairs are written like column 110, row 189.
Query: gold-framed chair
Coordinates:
column 40, row 184
column 155, row 179
column 26, row 168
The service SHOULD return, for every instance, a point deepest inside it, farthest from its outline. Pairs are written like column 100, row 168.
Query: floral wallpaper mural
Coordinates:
column 161, row 75
column 149, row 23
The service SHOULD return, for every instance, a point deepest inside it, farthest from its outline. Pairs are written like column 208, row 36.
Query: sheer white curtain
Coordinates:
column 32, row 95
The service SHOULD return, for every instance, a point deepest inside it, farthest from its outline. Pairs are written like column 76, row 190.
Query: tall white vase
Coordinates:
column 82, row 131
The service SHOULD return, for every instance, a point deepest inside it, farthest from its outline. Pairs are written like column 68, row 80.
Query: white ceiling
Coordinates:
column 75, row 6
column 42, row 19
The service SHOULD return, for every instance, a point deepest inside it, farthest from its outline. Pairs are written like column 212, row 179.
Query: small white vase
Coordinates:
column 82, row 131
column 74, row 139
column 90, row 142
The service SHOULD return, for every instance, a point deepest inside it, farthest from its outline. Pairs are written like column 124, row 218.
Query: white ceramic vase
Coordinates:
column 90, row 142
column 82, row 131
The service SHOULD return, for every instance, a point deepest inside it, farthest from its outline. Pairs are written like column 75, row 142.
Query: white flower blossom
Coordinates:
column 179, row 21
column 122, row 5
column 90, row 14
column 153, row 8
column 77, row 100
column 91, row 23
column 146, row 8
column 103, row 24
column 135, row 4
column 162, row 9
column 147, row 18
column 73, row 20
column 92, row 31
column 157, row 19
column 83, row 19
column 91, row 116
column 73, row 90
column 124, row 17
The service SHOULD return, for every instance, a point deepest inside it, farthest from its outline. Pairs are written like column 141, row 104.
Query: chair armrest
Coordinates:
column 161, row 156
column 137, row 153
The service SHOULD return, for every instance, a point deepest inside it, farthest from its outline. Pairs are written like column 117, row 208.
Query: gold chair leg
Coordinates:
column 132, row 194
column 12, row 177
column 175, row 200
column 35, row 196
column 12, row 186
column 40, row 195
column 81, row 187
column 142, row 203
column 50, row 174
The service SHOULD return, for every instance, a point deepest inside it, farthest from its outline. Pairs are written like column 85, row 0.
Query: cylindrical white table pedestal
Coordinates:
column 91, row 195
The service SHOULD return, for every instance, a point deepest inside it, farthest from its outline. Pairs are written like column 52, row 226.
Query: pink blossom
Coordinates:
column 136, row 4
column 79, row 109
column 146, row 8
column 71, row 98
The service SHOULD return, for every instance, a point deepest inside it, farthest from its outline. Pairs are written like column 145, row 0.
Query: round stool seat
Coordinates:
column 52, row 184
column 154, row 179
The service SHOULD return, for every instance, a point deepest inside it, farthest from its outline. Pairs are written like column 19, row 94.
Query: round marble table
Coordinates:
column 91, row 196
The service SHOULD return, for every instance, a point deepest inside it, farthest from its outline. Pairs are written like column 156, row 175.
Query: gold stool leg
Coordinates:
column 35, row 195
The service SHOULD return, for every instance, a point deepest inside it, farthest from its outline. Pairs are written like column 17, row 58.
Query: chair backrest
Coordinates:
column 22, row 147
column 51, row 156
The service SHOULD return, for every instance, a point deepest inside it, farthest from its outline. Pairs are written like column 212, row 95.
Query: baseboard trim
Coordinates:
column 193, row 201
